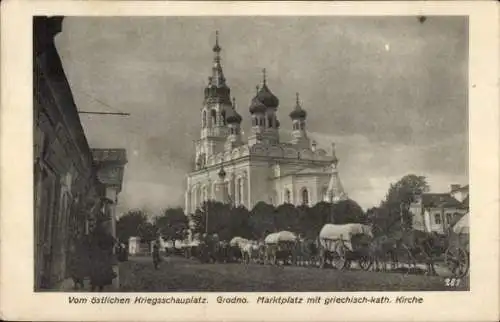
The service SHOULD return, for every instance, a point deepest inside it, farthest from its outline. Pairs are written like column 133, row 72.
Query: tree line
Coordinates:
column 227, row 221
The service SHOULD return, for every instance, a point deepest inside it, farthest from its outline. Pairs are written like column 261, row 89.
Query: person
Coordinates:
column 79, row 262
column 156, row 255
column 101, row 258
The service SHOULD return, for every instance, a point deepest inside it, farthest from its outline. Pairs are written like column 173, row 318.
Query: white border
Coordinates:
column 17, row 301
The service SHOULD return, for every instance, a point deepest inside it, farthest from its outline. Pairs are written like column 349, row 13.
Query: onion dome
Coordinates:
column 232, row 117
column 256, row 106
column 298, row 112
column 265, row 95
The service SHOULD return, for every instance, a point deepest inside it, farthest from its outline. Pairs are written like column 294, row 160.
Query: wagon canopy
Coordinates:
column 237, row 241
column 462, row 225
column 331, row 231
column 282, row 236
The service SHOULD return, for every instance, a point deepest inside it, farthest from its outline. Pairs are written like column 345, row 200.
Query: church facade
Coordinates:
column 242, row 172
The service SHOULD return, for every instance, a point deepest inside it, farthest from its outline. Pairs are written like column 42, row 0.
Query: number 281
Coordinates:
column 452, row 282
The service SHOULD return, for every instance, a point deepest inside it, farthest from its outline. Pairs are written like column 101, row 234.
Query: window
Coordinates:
column 437, row 219
column 449, row 218
column 223, row 114
column 305, row 197
column 213, row 115
column 204, row 119
column 270, row 121
column 287, row 196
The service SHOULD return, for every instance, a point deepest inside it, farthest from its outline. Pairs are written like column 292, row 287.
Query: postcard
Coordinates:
column 267, row 161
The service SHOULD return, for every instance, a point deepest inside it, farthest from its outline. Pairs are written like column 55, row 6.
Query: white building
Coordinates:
column 134, row 245
column 437, row 212
column 229, row 168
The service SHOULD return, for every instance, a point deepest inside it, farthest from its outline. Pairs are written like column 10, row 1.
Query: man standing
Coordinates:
column 156, row 254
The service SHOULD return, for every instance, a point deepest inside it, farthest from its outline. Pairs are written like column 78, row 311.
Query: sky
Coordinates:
column 391, row 92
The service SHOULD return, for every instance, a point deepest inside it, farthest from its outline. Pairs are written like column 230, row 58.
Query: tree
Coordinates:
column 132, row 223
column 147, row 231
column 240, row 222
column 346, row 212
column 262, row 220
column 172, row 223
column 219, row 217
column 287, row 218
column 405, row 190
column 317, row 216
column 393, row 213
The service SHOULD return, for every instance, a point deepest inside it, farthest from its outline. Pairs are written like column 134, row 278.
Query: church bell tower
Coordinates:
column 216, row 105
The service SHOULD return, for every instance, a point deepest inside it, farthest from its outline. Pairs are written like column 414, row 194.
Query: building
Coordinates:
column 134, row 245
column 70, row 189
column 230, row 168
column 437, row 212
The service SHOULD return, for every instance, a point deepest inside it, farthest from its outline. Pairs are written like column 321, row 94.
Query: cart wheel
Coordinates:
column 339, row 261
column 457, row 261
column 365, row 262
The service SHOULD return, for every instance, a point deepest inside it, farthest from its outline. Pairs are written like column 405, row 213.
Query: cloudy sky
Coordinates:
column 391, row 92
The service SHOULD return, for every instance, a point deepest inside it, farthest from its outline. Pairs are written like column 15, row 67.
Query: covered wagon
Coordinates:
column 280, row 246
column 456, row 255
column 341, row 244
column 235, row 244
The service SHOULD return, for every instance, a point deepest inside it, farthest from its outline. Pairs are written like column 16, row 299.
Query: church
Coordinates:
column 244, row 171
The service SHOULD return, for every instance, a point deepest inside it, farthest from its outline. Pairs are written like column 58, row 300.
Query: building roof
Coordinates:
column 462, row 188
column 432, row 200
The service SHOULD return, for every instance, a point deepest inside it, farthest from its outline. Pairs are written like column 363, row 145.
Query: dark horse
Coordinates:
column 408, row 244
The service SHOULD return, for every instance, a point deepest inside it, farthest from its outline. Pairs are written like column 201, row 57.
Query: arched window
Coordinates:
column 305, row 197
column 213, row 115
column 223, row 115
column 270, row 121
column 287, row 196
column 204, row 195
column 204, row 119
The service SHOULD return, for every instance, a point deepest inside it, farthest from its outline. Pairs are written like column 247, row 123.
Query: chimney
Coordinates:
column 454, row 187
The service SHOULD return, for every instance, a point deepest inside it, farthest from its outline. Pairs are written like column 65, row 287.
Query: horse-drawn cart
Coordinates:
column 456, row 255
column 280, row 246
column 341, row 244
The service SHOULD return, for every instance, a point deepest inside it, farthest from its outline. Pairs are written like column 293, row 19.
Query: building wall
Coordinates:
column 263, row 179
column 434, row 219
column 68, row 192
column 62, row 160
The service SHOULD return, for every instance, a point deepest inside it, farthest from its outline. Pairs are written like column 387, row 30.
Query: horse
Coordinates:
column 380, row 249
column 417, row 245
column 250, row 251
column 306, row 252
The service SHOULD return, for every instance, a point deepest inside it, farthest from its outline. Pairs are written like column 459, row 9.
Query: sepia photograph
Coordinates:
column 251, row 153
